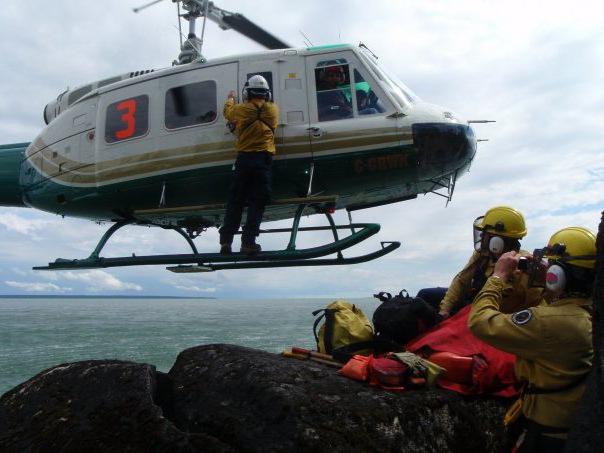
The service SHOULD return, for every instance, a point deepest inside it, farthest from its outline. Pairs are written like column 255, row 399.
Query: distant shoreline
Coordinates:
column 72, row 296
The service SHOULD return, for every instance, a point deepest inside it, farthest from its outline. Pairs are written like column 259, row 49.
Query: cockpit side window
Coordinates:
column 368, row 102
column 334, row 95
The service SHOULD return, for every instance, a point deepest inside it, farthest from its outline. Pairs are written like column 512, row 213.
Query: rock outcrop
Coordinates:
column 220, row 398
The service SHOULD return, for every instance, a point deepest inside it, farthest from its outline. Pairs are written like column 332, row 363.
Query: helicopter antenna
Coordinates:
column 306, row 40
column 147, row 5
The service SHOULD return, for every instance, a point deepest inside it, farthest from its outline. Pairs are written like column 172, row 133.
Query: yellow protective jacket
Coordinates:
column 255, row 123
column 517, row 293
column 552, row 343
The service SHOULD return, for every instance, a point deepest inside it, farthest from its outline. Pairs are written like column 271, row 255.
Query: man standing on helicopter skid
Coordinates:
column 254, row 123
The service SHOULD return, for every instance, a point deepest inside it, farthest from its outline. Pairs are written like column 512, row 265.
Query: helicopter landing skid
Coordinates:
column 207, row 262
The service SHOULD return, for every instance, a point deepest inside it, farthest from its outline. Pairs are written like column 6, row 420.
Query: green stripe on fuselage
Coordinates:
column 327, row 47
column 11, row 156
column 366, row 176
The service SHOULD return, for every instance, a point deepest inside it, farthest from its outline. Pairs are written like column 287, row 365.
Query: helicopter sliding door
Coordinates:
column 286, row 77
column 194, row 129
column 355, row 139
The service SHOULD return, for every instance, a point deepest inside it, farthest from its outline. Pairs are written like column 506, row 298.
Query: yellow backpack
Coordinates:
column 345, row 324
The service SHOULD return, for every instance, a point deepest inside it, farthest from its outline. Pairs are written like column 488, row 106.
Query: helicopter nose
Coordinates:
column 443, row 148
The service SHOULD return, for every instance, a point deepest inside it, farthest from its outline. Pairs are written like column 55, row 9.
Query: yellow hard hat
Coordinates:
column 503, row 221
column 573, row 242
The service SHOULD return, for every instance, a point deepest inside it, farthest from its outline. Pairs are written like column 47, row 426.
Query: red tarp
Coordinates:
column 493, row 370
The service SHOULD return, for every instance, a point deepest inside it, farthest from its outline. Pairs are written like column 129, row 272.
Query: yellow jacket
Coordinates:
column 255, row 129
column 516, row 295
column 553, row 345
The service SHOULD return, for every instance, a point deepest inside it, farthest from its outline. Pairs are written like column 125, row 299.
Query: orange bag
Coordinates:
column 357, row 368
column 458, row 368
column 388, row 373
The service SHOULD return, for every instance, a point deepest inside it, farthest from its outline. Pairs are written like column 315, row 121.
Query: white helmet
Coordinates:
column 256, row 86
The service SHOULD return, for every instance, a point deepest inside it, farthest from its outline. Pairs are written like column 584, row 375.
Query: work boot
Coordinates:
column 251, row 249
column 225, row 249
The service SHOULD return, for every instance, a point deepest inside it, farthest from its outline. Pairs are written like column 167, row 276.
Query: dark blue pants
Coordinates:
column 252, row 185
column 432, row 295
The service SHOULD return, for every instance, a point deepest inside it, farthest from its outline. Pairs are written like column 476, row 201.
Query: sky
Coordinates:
column 534, row 67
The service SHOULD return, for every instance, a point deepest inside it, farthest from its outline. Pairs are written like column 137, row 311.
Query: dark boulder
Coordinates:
column 100, row 405
column 231, row 398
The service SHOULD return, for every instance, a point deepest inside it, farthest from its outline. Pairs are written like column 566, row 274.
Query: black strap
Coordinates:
column 386, row 296
column 330, row 320
column 329, row 315
column 344, row 353
column 532, row 425
column 532, row 390
column 317, row 321
column 383, row 296
column 479, row 278
column 259, row 111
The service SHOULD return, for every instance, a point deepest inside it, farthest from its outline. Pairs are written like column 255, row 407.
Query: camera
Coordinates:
column 524, row 264
column 535, row 267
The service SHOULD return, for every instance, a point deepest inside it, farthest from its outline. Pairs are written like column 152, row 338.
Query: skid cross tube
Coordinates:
column 116, row 226
column 294, row 234
column 184, row 235
column 110, row 232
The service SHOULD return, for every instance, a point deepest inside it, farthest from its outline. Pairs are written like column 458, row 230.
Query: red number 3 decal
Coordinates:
column 129, row 108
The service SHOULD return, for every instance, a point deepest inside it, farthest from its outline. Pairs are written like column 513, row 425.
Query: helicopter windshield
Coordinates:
column 398, row 88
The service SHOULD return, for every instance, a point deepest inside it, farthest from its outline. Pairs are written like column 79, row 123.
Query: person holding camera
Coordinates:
column 254, row 121
column 552, row 341
column 498, row 231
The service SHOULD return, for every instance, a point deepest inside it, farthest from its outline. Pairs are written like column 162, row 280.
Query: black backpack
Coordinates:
column 402, row 318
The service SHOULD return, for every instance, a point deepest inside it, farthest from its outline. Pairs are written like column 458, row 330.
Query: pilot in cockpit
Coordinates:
column 363, row 103
column 332, row 102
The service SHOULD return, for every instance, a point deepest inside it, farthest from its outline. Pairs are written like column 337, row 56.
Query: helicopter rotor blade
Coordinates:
column 246, row 27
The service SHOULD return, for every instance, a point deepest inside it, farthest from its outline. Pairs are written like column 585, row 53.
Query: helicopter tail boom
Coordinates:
column 11, row 156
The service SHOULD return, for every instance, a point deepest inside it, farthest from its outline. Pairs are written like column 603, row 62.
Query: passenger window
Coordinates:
column 191, row 104
column 334, row 98
column 367, row 101
column 128, row 118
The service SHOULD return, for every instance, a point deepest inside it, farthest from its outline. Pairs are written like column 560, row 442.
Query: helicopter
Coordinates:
column 152, row 148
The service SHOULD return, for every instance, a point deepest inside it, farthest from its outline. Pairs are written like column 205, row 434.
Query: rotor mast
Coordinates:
column 190, row 49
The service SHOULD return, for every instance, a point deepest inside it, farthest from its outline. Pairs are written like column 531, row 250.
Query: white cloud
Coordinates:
column 23, row 225
column 98, row 281
column 195, row 289
column 37, row 287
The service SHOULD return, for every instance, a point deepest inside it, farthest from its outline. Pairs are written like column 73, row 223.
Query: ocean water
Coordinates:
column 38, row 333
